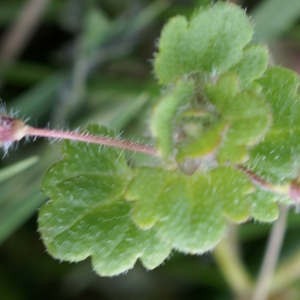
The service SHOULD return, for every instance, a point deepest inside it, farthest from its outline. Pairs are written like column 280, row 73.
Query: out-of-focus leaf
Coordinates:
column 14, row 215
column 273, row 17
column 39, row 99
column 16, row 168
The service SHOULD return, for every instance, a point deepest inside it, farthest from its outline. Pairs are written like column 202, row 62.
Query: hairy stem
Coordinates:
column 95, row 139
column 271, row 256
column 280, row 189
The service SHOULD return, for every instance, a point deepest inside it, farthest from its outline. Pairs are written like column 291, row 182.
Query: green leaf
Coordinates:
column 164, row 115
column 233, row 103
column 264, row 205
column 247, row 114
column 276, row 157
column 212, row 41
column 280, row 87
column 96, row 29
column 252, row 65
column 16, row 168
column 189, row 212
column 87, row 214
column 273, row 18
column 233, row 153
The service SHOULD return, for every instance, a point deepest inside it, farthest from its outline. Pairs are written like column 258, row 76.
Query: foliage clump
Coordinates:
column 224, row 111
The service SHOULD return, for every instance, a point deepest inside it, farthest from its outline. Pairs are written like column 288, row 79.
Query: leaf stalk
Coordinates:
column 262, row 288
column 12, row 129
column 94, row 139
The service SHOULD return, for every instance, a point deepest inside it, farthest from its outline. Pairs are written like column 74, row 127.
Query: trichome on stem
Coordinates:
column 13, row 129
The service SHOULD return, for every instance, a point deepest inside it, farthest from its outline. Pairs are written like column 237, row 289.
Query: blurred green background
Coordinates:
column 64, row 63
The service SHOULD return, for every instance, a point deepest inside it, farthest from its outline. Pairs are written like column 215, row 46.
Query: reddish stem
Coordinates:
column 95, row 139
column 256, row 179
column 290, row 189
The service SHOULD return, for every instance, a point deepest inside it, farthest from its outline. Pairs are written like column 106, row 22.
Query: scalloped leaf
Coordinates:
column 248, row 115
column 87, row 214
column 213, row 40
column 264, row 206
column 189, row 212
column 277, row 157
column 252, row 65
column 164, row 115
